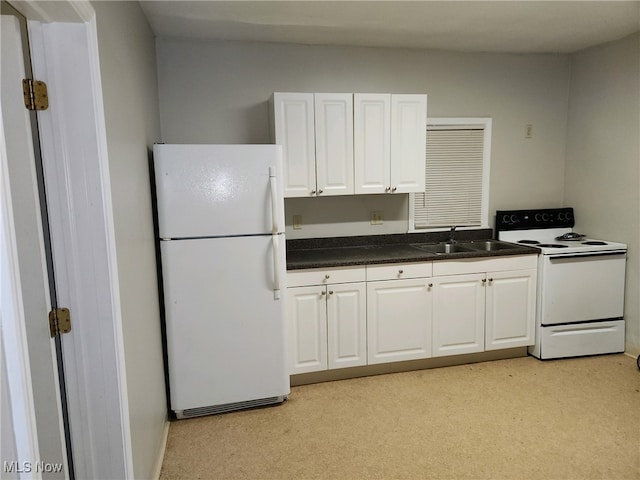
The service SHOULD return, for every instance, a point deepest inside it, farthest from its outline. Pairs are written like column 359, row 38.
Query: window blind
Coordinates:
column 454, row 178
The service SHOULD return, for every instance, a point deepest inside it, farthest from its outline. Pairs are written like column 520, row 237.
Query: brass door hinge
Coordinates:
column 59, row 321
column 35, row 94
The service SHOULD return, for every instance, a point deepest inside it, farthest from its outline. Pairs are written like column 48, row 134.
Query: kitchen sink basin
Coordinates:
column 488, row 245
column 443, row 247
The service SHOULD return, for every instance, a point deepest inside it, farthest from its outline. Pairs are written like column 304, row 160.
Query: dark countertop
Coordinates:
column 380, row 249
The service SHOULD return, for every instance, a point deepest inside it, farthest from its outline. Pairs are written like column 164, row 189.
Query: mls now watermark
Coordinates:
column 30, row 467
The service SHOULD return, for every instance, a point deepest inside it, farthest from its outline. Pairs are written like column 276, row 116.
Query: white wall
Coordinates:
column 217, row 92
column 128, row 68
column 603, row 156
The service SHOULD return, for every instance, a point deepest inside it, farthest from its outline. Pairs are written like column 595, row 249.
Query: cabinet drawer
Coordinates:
column 325, row 276
column 396, row 271
column 477, row 265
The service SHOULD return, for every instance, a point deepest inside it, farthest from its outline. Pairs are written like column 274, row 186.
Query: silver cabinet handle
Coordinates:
column 484, row 280
column 394, row 189
column 430, row 285
column 320, row 191
column 388, row 189
column 313, row 192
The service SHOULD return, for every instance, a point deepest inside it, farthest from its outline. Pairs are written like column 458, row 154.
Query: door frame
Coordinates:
column 64, row 48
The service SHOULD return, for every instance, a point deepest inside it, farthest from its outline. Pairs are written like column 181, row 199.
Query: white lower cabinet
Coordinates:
column 510, row 309
column 327, row 323
column 346, row 325
column 399, row 316
column 307, row 314
column 484, row 304
column 458, row 313
column 343, row 318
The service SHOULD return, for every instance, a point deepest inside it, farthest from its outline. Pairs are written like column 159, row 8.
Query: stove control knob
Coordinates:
column 505, row 219
column 546, row 217
column 514, row 218
column 538, row 217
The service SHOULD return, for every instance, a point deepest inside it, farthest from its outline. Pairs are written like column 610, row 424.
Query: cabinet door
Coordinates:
column 510, row 317
column 334, row 143
column 346, row 325
column 307, row 315
column 372, row 142
column 294, row 130
column 399, row 315
column 458, row 313
column 408, row 143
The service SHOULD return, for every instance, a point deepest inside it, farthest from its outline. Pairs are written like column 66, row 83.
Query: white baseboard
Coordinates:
column 163, row 447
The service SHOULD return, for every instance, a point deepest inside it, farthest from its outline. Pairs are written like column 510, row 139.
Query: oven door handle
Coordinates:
column 585, row 255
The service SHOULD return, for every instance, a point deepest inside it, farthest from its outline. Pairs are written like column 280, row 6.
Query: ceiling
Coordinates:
column 467, row 26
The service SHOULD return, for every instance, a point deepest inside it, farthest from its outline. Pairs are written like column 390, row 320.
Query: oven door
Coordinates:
column 580, row 287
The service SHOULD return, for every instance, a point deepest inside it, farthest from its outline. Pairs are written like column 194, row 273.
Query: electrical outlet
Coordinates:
column 376, row 218
column 528, row 130
column 297, row 222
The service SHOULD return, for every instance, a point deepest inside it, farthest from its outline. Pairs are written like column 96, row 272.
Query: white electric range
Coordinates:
column 580, row 290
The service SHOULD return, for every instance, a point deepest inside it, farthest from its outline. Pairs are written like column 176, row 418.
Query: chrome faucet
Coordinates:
column 451, row 234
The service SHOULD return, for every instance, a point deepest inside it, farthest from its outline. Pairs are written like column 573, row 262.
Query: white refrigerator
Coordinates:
column 222, row 247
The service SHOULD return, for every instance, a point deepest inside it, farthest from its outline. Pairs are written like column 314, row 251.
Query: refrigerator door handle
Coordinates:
column 276, row 266
column 275, row 218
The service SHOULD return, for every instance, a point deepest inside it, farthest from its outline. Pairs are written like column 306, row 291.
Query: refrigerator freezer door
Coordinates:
column 225, row 332
column 218, row 190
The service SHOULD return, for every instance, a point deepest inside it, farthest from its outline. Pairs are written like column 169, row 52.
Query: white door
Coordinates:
column 334, row 143
column 399, row 316
column 582, row 287
column 510, row 309
column 294, row 129
column 217, row 190
column 372, row 142
column 346, row 325
column 307, row 317
column 31, row 366
column 408, row 143
column 458, row 313
column 225, row 330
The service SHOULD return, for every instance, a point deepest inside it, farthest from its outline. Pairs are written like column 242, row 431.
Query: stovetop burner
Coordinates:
column 549, row 230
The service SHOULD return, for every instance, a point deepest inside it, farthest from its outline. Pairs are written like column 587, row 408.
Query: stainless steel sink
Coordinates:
column 488, row 245
column 444, row 247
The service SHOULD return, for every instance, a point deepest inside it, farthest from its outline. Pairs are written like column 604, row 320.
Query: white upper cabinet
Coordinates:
column 389, row 143
column 408, row 143
column 334, row 143
column 343, row 143
column 372, row 142
column 294, row 129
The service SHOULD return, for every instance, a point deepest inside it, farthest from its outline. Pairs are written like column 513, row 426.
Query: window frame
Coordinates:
column 485, row 123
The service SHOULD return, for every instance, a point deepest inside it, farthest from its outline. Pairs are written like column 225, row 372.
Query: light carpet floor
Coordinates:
column 508, row 419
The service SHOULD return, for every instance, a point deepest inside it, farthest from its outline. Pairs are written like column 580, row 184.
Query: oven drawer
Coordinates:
column 591, row 338
column 581, row 288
